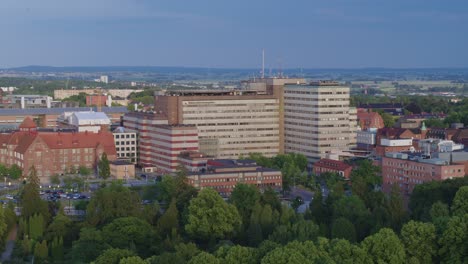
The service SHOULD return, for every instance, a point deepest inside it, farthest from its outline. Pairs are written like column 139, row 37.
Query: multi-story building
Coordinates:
column 144, row 124
column 169, row 142
column 61, row 94
column 223, row 175
column 53, row 152
column 230, row 123
column 366, row 139
column 408, row 170
column 126, row 144
column 318, row 119
column 26, row 101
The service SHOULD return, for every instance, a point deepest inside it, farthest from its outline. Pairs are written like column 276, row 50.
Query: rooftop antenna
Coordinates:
column 263, row 63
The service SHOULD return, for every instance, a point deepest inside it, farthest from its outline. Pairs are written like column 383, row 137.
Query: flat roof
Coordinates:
column 60, row 110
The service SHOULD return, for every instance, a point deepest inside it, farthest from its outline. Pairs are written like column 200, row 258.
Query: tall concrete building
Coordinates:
column 318, row 119
column 230, row 123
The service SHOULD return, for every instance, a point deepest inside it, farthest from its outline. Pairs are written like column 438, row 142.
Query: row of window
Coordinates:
column 117, row 136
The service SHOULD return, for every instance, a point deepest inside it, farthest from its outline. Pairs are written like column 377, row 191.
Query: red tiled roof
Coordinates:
column 332, row 164
column 57, row 140
column 28, row 123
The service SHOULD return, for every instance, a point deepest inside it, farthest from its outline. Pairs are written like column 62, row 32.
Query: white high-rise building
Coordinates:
column 318, row 119
column 104, row 79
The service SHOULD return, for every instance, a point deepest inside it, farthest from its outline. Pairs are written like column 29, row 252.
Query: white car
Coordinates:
column 9, row 197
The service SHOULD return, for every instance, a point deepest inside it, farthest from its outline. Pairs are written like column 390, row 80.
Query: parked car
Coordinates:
column 9, row 197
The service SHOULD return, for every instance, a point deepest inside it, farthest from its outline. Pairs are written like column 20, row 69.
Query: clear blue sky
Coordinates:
column 232, row 33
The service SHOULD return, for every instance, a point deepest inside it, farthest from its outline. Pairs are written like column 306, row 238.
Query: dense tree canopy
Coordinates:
column 210, row 217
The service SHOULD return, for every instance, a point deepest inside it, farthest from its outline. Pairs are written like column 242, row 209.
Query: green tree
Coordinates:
column 90, row 245
column 15, row 172
column 204, row 258
column 419, row 240
column 384, row 247
column 460, row 202
column 266, row 220
column 41, row 251
column 59, row 227
column 128, row 232
column 104, row 167
column 254, row 232
column 343, row 252
column 343, row 228
column 84, row 171
column 319, row 212
column 57, row 249
column 210, row 217
column 31, row 200
column 3, row 222
column 169, row 220
column 303, row 230
column 396, row 207
column 454, row 241
column 132, row 260
column 439, row 209
column 388, row 119
column 353, row 209
column 36, row 226
column 113, row 256
column 240, row 255
column 112, row 202
column 244, row 197
column 285, row 255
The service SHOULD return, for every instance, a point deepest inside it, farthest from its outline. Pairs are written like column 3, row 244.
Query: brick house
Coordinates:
column 333, row 166
column 53, row 152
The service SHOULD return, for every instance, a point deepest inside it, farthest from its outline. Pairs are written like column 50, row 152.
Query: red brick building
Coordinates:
column 398, row 168
column 223, row 175
column 94, row 100
column 368, row 119
column 333, row 166
column 53, row 152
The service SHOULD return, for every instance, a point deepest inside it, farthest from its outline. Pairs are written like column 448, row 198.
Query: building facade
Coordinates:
column 53, row 152
column 332, row 166
column 406, row 171
column 318, row 119
column 223, row 175
column 170, row 141
column 126, row 144
column 144, row 124
column 230, row 123
column 122, row 170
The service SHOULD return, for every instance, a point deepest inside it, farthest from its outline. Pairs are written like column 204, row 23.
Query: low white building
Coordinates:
column 86, row 121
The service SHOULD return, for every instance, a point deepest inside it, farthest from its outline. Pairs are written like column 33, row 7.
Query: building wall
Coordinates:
column 170, row 141
column 92, row 100
column 228, row 126
column 224, row 183
column 317, row 120
column 144, row 124
column 407, row 173
column 49, row 161
column 126, row 146
column 122, row 172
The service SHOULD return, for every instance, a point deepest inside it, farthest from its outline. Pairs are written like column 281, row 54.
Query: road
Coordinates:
column 10, row 244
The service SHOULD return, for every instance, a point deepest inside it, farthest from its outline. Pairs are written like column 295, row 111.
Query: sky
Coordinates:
column 232, row 33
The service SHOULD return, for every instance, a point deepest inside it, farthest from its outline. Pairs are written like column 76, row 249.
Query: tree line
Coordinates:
column 184, row 225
